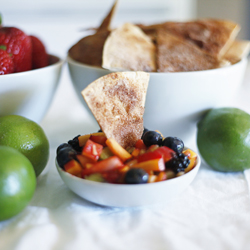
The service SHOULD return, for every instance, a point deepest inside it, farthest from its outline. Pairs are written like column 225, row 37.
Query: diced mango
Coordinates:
column 73, row 167
column 118, row 150
column 151, row 165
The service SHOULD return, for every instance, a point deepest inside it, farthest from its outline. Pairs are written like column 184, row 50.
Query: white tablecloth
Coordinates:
column 213, row 212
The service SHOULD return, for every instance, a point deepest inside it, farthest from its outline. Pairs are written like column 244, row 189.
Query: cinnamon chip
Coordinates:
column 128, row 48
column 175, row 54
column 117, row 102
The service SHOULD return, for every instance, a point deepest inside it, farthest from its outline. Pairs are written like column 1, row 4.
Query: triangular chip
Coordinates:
column 128, row 48
column 176, row 54
column 89, row 49
column 237, row 51
column 105, row 25
column 211, row 35
column 117, row 102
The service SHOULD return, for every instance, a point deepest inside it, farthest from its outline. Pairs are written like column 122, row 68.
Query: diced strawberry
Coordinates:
column 167, row 153
column 140, row 144
column 84, row 160
column 108, row 164
column 101, row 139
column 92, row 150
column 149, row 156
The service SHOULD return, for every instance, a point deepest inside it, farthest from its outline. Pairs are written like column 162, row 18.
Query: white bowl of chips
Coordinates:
column 174, row 101
column 194, row 66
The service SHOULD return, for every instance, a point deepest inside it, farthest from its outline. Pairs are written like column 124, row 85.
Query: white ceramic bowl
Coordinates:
column 30, row 93
column 129, row 195
column 175, row 101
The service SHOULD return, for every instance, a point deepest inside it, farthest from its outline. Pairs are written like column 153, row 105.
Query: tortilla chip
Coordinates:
column 128, row 48
column 176, row 54
column 89, row 49
column 237, row 51
column 117, row 102
column 105, row 26
column 211, row 35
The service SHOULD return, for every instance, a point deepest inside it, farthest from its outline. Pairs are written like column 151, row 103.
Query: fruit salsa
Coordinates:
column 153, row 158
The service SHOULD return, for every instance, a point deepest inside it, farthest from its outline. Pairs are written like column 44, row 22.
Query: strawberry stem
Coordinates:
column 1, row 20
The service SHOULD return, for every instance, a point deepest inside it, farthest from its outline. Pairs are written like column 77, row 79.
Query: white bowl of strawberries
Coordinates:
column 28, row 74
column 155, row 170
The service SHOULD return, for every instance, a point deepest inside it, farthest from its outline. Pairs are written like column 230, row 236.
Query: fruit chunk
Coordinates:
column 73, row 167
column 192, row 156
column 92, row 150
column 151, row 165
column 84, row 160
column 101, row 139
column 118, row 150
column 83, row 138
column 103, row 166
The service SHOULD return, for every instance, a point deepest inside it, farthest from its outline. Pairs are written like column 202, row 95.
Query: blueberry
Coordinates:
column 75, row 143
column 174, row 143
column 152, row 138
column 136, row 176
column 144, row 131
column 61, row 146
column 65, row 155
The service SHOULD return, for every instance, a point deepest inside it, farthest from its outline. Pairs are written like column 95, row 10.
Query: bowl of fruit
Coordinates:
column 190, row 64
column 124, row 164
column 100, row 170
column 29, row 75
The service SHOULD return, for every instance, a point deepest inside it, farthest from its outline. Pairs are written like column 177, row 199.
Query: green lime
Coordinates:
column 17, row 182
column 223, row 139
column 27, row 137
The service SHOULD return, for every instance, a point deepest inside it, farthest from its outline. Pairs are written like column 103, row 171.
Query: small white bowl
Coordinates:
column 129, row 195
column 175, row 101
column 30, row 93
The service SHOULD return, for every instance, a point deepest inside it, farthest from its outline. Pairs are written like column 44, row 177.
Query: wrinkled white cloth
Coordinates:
column 212, row 213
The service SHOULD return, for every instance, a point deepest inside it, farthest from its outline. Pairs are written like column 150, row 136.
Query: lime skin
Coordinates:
column 17, row 182
column 27, row 137
column 223, row 139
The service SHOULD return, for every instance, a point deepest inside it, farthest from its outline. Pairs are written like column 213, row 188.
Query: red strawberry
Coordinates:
column 6, row 62
column 18, row 44
column 39, row 55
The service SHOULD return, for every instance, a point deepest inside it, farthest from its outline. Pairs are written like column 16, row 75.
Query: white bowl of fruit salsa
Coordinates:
column 98, row 169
